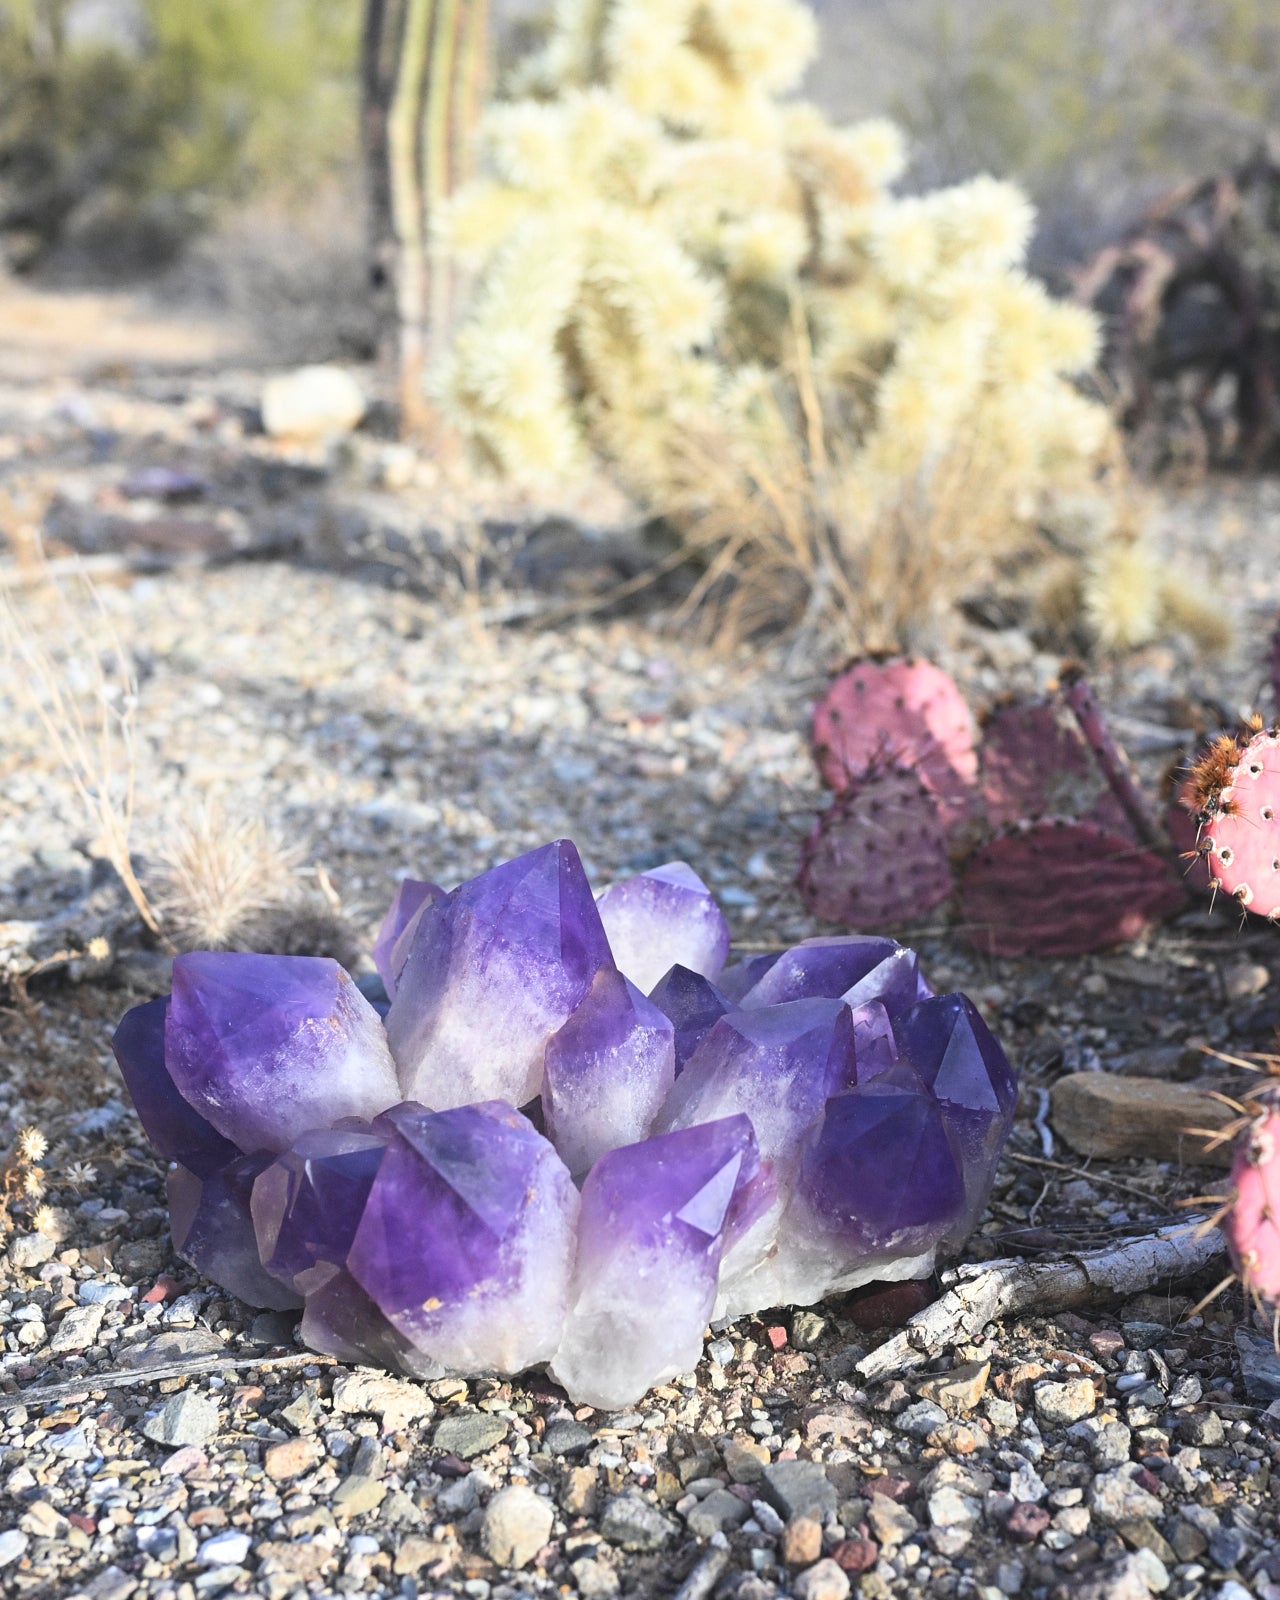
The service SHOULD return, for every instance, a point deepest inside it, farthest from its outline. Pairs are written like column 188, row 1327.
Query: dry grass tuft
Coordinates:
column 222, row 879
column 84, row 692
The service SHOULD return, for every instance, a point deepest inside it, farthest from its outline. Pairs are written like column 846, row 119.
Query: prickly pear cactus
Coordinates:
column 905, row 711
column 877, row 856
column 1035, row 763
column 1252, row 1225
column 1234, row 795
column 1061, row 888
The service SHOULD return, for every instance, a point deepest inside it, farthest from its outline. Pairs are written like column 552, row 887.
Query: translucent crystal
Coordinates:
column 176, row 1128
column 391, row 947
column 493, row 970
column 307, row 1204
column 694, row 1004
column 655, row 1220
column 466, row 1240
column 212, row 1228
column 662, row 917
column 266, row 1047
column 608, row 1070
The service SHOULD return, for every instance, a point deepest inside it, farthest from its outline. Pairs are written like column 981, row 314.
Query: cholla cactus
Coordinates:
column 716, row 290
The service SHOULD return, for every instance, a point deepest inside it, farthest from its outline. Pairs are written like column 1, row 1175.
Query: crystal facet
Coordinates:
column 267, row 1047
column 176, row 1128
column 660, row 917
column 608, row 1070
column 212, row 1228
column 391, row 947
column 655, row 1220
column 466, row 1240
column 493, row 970
column 748, row 1136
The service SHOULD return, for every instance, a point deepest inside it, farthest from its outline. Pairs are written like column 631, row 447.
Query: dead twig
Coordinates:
column 980, row 1295
column 128, row 1377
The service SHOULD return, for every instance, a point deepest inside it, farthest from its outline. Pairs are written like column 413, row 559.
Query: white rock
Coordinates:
column 223, row 1550
column 12, row 1546
column 311, row 403
column 517, row 1523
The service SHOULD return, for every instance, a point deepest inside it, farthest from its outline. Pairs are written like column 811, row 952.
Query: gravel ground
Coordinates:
column 389, row 727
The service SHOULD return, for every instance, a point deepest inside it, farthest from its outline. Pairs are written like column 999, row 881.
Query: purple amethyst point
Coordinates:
column 176, row 1129
column 466, row 1240
column 656, row 1217
column 391, row 947
column 267, row 1047
column 307, row 1204
column 661, row 917
column 493, row 970
column 212, row 1229
column 608, row 1070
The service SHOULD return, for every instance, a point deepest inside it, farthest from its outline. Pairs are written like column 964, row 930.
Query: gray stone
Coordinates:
column 469, row 1434
column 634, row 1524
column 744, row 1462
column 1228, row 1548
column 798, row 1489
column 824, row 1580
column 358, row 1494
column 13, row 1545
column 1125, row 1579
column 227, row 1549
column 717, row 1513
column 189, row 1417
column 1026, row 1484
column 948, row 1508
column 29, row 1250
column 1061, row 1404
column 517, row 1523
column 1201, row 1428
column 567, row 1438
column 78, row 1329
column 1116, row 1498
column 1260, row 1365
column 920, row 1420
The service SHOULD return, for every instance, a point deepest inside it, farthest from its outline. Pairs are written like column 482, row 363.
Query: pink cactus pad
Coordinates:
column 1252, row 1226
column 877, row 856
column 1238, row 790
column 1035, row 763
column 908, row 712
column 1060, row 888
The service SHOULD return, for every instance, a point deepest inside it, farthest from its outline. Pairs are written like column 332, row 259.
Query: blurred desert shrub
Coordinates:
column 1094, row 106
column 854, row 406
column 130, row 119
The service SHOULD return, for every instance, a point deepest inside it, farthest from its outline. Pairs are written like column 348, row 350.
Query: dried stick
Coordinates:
column 94, row 1382
column 986, row 1294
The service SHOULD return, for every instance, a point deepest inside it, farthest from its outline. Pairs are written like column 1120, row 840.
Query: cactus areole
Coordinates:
column 1234, row 794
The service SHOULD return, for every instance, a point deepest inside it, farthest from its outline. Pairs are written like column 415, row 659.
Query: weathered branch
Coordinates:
column 1003, row 1288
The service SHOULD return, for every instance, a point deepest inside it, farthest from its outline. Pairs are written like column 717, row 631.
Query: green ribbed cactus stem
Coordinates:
column 422, row 84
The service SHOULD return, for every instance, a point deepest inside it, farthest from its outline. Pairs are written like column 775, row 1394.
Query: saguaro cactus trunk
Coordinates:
column 423, row 72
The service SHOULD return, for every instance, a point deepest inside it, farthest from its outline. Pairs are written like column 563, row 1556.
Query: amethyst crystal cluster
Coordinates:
column 694, row 1139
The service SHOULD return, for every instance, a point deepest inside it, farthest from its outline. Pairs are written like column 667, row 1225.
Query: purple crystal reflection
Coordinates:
column 391, row 947
column 267, row 1047
column 212, row 1228
column 661, row 917
column 958, row 1058
column 307, row 1204
column 493, row 970
column 177, row 1129
column 607, row 1072
column 466, row 1240
column 655, row 1220
column 694, row 1005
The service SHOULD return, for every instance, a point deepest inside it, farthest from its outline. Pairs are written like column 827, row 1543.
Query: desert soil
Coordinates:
column 322, row 637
